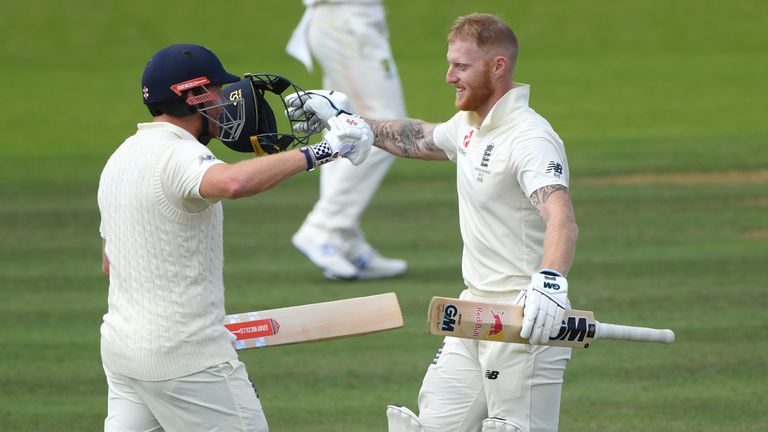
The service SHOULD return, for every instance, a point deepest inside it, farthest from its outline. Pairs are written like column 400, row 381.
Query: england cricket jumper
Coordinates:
column 500, row 163
column 164, row 348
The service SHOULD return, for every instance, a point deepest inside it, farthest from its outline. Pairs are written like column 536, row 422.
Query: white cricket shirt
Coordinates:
column 164, row 243
column 499, row 164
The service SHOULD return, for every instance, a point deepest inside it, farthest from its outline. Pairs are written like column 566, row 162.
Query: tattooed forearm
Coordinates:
column 429, row 139
column 398, row 136
column 541, row 195
column 561, row 233
column 408, row 138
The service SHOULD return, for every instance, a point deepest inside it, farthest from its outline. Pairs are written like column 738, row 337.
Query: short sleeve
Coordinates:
column 182, row 174
column 445, row 135
column 539, row 162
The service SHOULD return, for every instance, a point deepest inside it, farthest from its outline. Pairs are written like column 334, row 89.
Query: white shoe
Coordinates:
column 328, row 255
column 371, row 265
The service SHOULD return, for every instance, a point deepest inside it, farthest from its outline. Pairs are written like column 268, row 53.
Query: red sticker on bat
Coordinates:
column 497, row 325
column 254, row 329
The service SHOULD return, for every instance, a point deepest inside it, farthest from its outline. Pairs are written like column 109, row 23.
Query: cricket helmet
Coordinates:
column 177, row 64
column 259, row 134
column 176, row 81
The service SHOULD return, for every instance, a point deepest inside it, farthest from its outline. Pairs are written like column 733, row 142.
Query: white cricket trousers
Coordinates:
column 220, row 399
column 351, row 44
column 471, row 380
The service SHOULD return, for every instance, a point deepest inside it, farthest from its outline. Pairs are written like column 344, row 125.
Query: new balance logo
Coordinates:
column 491, row 374
column 205, row 158
column 555, row 168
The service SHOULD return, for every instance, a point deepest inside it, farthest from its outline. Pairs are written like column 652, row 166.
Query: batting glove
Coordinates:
column 349, row 137
column 545, row 300
column 312, row 109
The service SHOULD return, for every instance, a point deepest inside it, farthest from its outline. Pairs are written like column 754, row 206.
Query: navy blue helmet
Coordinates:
column 180, row 80
column 178, row 68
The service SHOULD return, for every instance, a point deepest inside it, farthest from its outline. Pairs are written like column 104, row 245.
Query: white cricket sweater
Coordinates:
column 165, row 248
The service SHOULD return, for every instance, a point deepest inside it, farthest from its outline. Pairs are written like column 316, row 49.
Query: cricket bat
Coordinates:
column 315, row 322
column 503, row 322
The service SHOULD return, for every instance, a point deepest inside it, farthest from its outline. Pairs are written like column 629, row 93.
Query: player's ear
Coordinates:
column 500, row 64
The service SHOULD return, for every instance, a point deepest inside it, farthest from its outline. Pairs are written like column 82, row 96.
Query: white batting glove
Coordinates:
column 545, row 300
column 313, row 108
column 349, row 137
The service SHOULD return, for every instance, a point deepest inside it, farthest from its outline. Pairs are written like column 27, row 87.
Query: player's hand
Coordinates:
column 545, row 300
column 349, row 137
column 313, row 108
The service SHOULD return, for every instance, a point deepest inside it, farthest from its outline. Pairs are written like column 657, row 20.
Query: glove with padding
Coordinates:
column 545, row 300
column 313, row 108
column 349, row 137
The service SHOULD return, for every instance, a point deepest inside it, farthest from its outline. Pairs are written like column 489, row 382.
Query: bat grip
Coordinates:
column 632, row 333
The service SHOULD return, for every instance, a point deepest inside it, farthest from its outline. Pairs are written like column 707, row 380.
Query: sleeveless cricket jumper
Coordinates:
column 500, row 163
column 164, row 244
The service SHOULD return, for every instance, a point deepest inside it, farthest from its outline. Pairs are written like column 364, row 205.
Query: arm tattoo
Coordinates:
column 541, row 195
column 404, row 137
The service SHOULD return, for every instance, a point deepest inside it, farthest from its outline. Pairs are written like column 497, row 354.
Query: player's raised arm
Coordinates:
column 407, row 138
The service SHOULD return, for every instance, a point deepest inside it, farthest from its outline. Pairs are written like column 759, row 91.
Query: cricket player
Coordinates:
column 350, row 41
column 519, row 232
column 168, row 359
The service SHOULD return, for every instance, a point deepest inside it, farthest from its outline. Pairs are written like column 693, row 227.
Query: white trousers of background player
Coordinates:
column 471, row 380
column 351, row 44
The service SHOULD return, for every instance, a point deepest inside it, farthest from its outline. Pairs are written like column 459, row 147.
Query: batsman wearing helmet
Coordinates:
column 168, row 359
column 519, row 233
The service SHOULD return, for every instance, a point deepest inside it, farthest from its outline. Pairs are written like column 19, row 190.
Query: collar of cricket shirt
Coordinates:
column 169, row 127
column 515, row 99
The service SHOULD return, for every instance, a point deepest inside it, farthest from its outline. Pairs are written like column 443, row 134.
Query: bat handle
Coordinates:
column 632, row 333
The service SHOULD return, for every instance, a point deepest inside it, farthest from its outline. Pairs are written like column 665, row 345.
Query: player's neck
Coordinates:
column 190, row 123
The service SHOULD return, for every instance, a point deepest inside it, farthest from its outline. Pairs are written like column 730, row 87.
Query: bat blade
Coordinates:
column 315, row 322
column 502, row 322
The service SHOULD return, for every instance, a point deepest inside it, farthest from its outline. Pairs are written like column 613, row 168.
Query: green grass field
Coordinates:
column 662, row 106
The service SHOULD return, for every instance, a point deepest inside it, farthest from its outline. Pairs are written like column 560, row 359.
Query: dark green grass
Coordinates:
column 632, row 87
